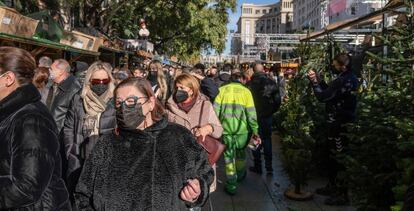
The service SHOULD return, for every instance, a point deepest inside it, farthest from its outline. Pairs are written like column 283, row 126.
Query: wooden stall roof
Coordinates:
column 117, row 50
column 45, row 43
column 346, row 24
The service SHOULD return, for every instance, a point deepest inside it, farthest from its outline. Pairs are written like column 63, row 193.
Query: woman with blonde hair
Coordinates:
column 91, row 114
column 187, row 104
column 158, row 81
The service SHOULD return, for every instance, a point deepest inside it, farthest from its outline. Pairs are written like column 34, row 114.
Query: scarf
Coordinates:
column 187, row 106
column 93, row 104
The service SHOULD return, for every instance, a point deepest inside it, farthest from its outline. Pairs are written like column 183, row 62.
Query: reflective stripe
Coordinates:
column 232, row 115
column 233, row 106
column 251, row 109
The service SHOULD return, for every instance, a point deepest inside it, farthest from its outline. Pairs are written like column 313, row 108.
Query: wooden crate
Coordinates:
column 80, row 40
column 9, row 19
column 26, row 27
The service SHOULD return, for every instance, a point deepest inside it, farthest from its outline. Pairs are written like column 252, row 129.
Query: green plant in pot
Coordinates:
column 297, row 142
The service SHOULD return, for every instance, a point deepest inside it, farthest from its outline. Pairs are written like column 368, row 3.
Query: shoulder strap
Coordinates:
column 201, row 113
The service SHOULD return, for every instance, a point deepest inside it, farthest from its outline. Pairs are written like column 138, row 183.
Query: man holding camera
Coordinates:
column 340, row 100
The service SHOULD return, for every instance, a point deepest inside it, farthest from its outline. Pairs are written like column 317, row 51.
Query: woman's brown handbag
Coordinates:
column 213, row 147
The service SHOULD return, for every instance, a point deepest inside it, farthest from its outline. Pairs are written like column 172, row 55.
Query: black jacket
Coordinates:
column 143, row 170
column 222, row 79
column 60, row 105
column 209, row 88
column 339, row 97
column 30, row 163
column 77, row 147
column 265, row 93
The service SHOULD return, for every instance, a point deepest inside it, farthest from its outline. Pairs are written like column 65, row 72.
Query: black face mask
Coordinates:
column 99, row 89
column 130, row 118
column 152, row 77
column 181, row 96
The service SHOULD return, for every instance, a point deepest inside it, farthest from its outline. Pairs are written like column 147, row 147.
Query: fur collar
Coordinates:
column 16, row 100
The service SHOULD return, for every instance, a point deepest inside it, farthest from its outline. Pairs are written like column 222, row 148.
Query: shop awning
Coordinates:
column 45, row 43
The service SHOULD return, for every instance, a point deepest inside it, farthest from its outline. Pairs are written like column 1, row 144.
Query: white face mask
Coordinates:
column 51, row 74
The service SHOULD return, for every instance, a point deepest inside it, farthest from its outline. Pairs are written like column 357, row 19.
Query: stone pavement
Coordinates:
column 265, row 193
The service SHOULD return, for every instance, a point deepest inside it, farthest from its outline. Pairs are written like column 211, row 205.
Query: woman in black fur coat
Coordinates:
column 148, row 163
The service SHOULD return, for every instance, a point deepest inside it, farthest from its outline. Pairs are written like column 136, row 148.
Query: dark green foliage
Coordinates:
column 380, row 164
column 300, row 120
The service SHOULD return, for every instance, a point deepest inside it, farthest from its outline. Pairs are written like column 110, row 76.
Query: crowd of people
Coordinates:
column 94, row 137
column 105, row 138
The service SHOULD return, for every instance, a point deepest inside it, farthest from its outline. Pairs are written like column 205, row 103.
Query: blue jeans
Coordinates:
column 265, row 133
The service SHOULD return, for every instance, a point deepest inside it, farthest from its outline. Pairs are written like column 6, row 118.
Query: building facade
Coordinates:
column 262, row 19
column 310, row 14
column 340, row 10
column 317, row 14
column 217, row 59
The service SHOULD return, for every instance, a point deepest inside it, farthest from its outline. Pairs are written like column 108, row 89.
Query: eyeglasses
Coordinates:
column 130, row 102
column 4, row 74
column 100, row 81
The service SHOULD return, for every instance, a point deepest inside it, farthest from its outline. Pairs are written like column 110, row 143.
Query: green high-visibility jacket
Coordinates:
column 235, row 109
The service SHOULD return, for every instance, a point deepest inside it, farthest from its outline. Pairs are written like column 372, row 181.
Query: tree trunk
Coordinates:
column 297, row 188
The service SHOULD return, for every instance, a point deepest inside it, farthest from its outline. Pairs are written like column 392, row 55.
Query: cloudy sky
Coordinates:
column 234, row 17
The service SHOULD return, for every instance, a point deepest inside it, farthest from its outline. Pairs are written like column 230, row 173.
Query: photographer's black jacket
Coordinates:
column 339, row 96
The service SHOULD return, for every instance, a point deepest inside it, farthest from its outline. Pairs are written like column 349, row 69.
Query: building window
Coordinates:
column 247, row 10
column 257, row 12
column 264, row 11
column 247, row 32
column 353, row 10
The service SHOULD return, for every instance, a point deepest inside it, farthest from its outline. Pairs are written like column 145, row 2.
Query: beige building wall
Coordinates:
column 264, row 19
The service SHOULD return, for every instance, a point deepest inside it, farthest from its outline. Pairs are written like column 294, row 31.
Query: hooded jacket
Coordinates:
column 265, row 93
column 30, row 163
column 143, row 170
column 235, row 109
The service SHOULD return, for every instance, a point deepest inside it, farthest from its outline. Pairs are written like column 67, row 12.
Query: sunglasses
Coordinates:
column 130, row 102
column 100, row 81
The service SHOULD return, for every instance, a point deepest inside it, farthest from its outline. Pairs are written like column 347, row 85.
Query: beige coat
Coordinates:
column 190, row 120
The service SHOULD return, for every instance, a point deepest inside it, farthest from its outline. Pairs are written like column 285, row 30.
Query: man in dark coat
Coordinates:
column 30, row 163
column 207, row 85
column 64, row 87
column 267, row 101
column 224, row 76
column 340, row 103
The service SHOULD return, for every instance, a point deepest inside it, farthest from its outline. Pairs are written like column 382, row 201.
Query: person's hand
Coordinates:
column 256, row 139
column 313, row 76
column 203, row 131
column 191, row 191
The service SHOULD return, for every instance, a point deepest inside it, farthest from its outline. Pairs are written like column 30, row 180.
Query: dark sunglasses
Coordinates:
column 130, row 102
column 100, row 81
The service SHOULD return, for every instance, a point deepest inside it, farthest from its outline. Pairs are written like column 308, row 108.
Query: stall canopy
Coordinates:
column 48, row 28
column 43, row 43
column 361, row 21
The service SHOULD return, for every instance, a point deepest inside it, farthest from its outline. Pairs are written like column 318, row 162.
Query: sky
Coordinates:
column 234, row 17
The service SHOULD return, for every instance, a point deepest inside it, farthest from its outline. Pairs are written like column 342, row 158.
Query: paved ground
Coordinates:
column 263, row 193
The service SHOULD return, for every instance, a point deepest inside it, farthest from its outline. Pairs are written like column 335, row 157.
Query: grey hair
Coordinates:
column 45, row 61
column 63, row 65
